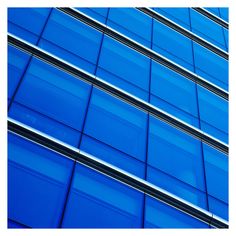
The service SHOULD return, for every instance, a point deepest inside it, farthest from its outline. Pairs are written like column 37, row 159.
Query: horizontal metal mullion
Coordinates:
column 145, row 51
column 113, row 90
column 211, row 16
column 114, row 172
column 184, row 32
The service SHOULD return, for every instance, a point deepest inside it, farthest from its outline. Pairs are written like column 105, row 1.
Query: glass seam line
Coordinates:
column 212, row 17
column 144, row 51
column 171, row 24
column 114, row 172
column 117, row 92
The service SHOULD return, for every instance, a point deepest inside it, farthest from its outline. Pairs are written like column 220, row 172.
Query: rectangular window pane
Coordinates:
column 97, row 201
column 37, row 183
column 218, row 207
column 124, row 68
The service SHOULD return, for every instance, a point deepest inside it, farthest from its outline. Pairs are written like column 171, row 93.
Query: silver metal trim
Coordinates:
column 114, row 172
column 145, row 51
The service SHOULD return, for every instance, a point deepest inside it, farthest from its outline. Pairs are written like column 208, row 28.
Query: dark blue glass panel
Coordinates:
column 216, row 168
column 178, row 15
column 169, row 145
column 224, row 13
column 37, row 183
column 211, row 66
column 213, row 114
column 213, row 10
column 160, row 215
column 98, row 13
column 124, row 67
column 27, row 23
column 132, row 23
column 218, row 207
column 17, row 61
column 112, row 156
column 97, row 201
column 55, row 94
column 14, row 225
column 117, row 124
column 174, row 94
column 71, row 40
column 177, row 187
column 207, row 29
column 172, row 45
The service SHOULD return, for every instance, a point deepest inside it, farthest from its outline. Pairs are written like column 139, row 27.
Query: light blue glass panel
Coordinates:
column 177, row 187
column 207, row 29
column 71, row 40
column 174, row 94
column 213, row 10
column 170, row 145
column 224, row 13
column 117, row 124
column 112, row 156
column 211, row 66
column 17, row 61
column 172, row 45
column 27, row 23
column 213, row 114
column 97, row 201
column 37, row 183
column 226, row 34
column 216, row 168
column 132, row 23
column 160, row 215
column 179, row 15
column 218, row 207
column 124, row 68
column 54, row 93
column 98, row 13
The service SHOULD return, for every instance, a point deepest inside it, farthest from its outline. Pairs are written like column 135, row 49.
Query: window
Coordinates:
column 224, row 13
column 98, row 13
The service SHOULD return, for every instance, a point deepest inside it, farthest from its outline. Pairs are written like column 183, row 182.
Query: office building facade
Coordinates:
column 118, row 118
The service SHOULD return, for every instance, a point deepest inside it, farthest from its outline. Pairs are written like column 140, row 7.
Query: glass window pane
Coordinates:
column 71, row 40
column 211, row 66
column 224, row 13
column 98, row 13
column 207, row 29
column 172, row 45
column 97, row 201
column 21, row 24
column 218, row 207
column 132, row 23
column 160, row 215
column 174, row 94
column 226, row 34
column 117, row 124
column 53, row 93
column 213, row 10
column 37, row 183
column 169, row 145
column 124, row 67
column 210, row 105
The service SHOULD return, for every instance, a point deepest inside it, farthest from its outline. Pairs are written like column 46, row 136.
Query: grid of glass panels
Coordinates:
column 54, row 102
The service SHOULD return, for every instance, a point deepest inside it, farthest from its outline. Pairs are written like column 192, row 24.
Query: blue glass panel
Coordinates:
column 160, row 215
column 71, row 40
column 177, row 187
column 172, row 45
column 132, row 23
column 224, row 13
column 210, row 105
column 226, row 34
column 213, row 10
column 117, row 124
column 21, row 23
column 174, row 93
column 17, row 61
column 54, row 93
column 207, row 29
column 169, row 145
column 37, row 183
column 211, row 66
column 216, row 168
column 98, row 13
column 112, row 156
column 218, row 207
column 124, row 67
column 97, row 201
column 178, row 15
column 14, row 225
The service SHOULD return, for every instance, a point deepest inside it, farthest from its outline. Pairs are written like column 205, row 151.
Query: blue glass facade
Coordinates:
column 48, row 189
